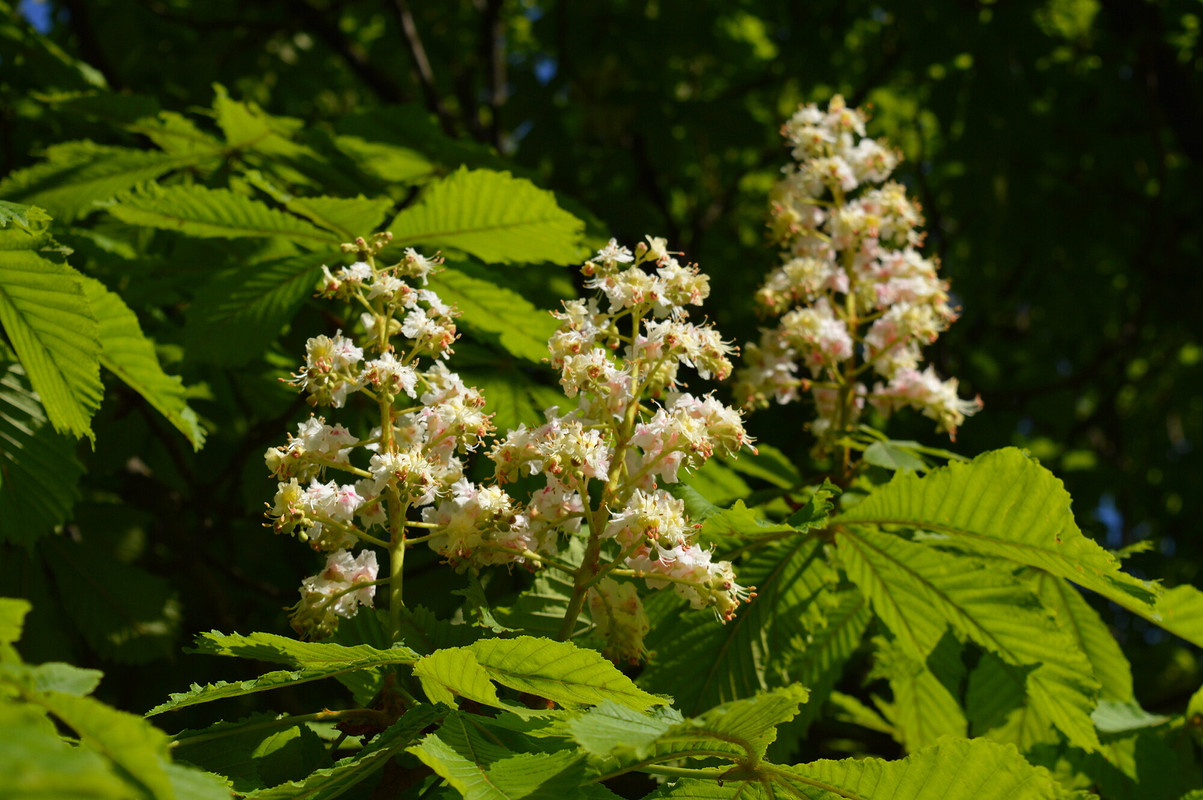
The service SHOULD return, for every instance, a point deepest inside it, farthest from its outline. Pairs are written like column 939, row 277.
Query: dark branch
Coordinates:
column 417, row 52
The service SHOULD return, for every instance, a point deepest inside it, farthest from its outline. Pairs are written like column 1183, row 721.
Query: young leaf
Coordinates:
column 75, row 176
column 917, row 590
column 240, row 312
column 558, row 671
column 131, row 357
column 520, row 328
column 1003, row 504
column 493, row 216
column 202, row 212
column 39, row 471
column 53, row 329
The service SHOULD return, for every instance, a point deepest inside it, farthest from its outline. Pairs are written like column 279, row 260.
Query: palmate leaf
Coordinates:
column 75, row 176
column 559, row 671
column 202, row 212
column 1003, row 504
column 48, row 319
column 998, row 706
column 330, row 782
column 918, row 590
column 256, row 752
column 239, row 313
column 520, row 328
column 702, row 663
column 131, row 357
column 37, row 763
column 39, row 471
column 493, row 216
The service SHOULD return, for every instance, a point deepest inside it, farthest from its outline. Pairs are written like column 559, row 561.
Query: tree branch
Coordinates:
column 417, row 52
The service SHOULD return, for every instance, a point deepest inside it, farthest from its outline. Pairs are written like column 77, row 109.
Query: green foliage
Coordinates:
column 899, row 617
column 493, row 216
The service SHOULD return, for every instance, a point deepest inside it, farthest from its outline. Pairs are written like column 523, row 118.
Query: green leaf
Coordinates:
column 330, row 782
column 558, row 671
column 1003, row 504
column 481, row 769
column 75, row 176
column 493, row 216
column 277, row 649
column 702, row 662
column 125, row 613
column 39, row 470
column 253, row 753
column 998, row 706
column 925, row 705
column 1116, row 717
column 349, row 217
column 540, row 609
column 52, row 676
column 202, row 212
column 189, row 783
column 953, row 769
column 447, row 673
column 609, row 727
column 38, row 765
column 820, row 661
column 12, row 619
column 1091, row 634
column 315, row 661
column 918, row 590
column 48, row 319
column 739, row 731
column 500, row 313
column 238, row 314
column 129, row 741
column 388, row 162
column 767, row 463
column 892, row 457
column 1180, row 611
column 27, row 218
column 131, row 357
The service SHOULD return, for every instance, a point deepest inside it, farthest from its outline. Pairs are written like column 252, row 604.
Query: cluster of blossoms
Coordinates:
column 428, row 419
column 602, row 463
column 853, row 292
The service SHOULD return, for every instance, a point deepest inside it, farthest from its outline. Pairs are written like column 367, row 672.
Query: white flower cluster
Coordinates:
column 346, row 583
column 602, row 463
column 852, row 285
column 432, row 419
